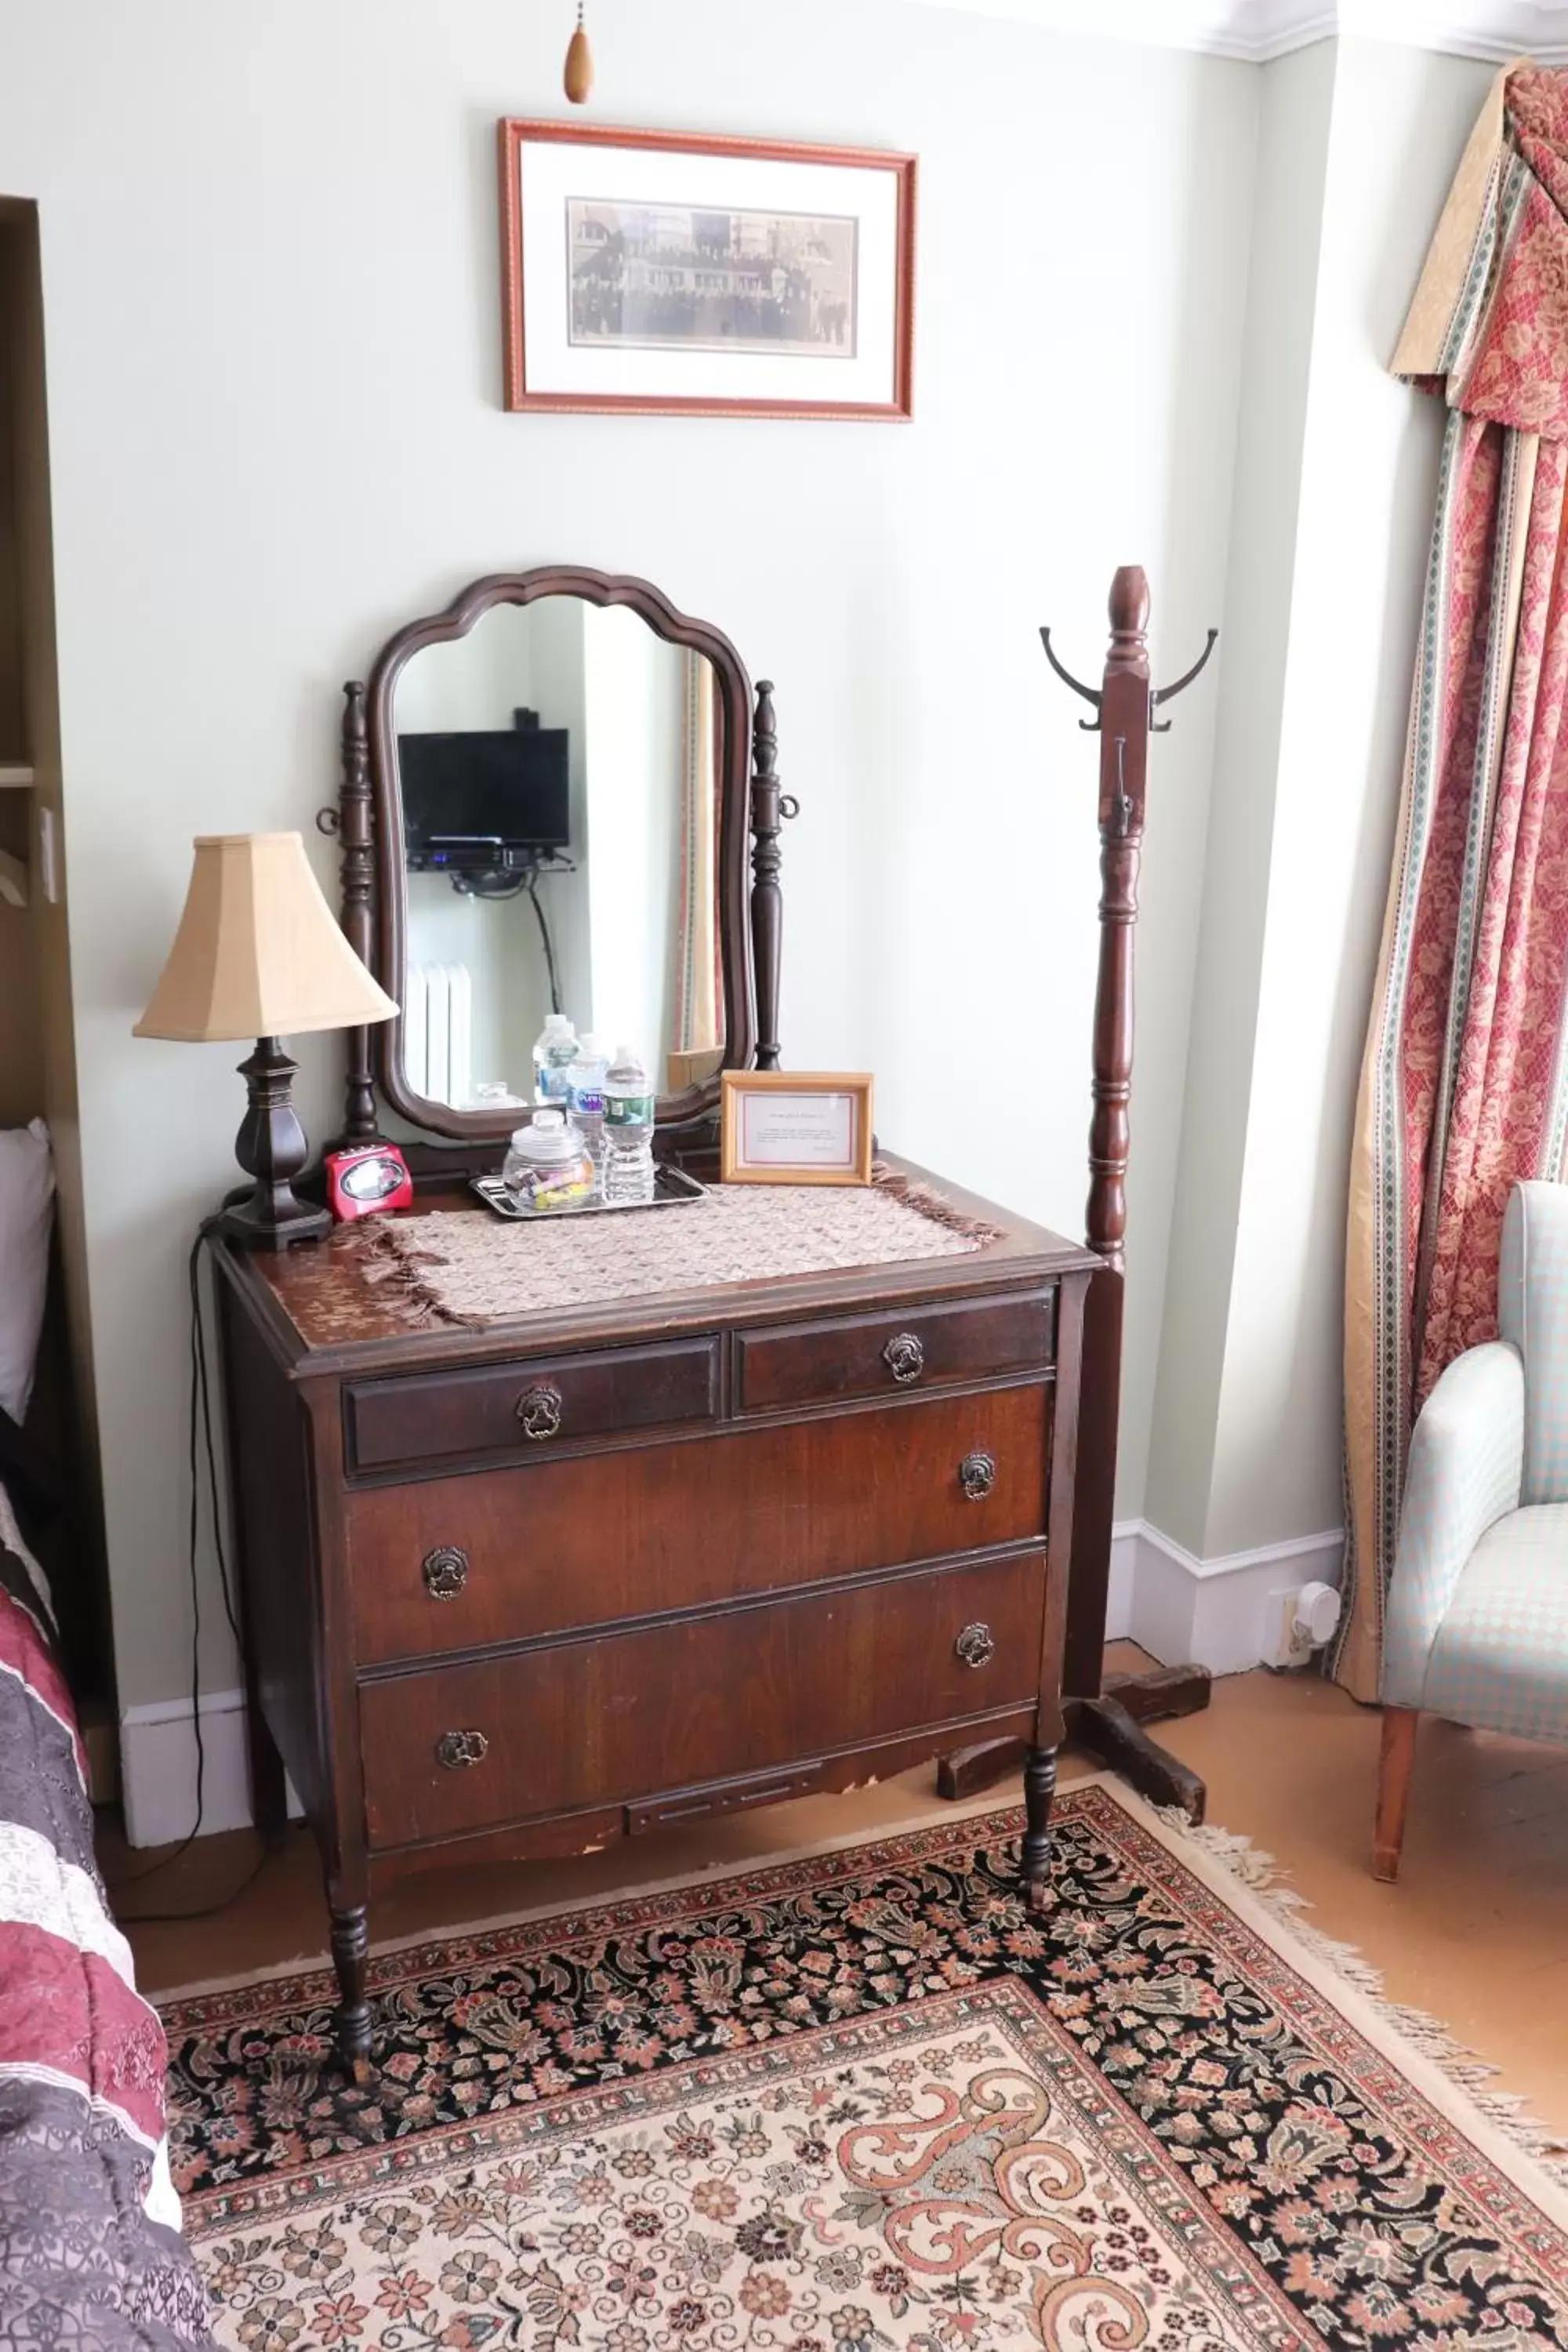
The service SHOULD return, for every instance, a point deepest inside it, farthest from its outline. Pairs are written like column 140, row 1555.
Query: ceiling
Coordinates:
column 1260, row 29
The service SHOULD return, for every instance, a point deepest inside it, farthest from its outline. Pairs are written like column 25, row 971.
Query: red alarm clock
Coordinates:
column 374, row 1176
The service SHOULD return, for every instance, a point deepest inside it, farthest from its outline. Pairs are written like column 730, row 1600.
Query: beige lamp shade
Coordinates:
column 258, row 952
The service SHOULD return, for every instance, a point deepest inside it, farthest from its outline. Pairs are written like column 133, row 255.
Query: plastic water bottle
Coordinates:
column 585, row 1098
column 554, row 1051
column 628, row 1129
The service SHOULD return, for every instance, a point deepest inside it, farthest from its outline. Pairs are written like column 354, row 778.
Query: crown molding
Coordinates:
column 1259, row 30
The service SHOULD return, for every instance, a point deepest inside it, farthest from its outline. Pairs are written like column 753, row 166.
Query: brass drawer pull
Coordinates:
column 905, row 1357
column 975, row 1644
column 539, row 1410
column 455, row 1748
column 446, row 1572
column 977, row 1475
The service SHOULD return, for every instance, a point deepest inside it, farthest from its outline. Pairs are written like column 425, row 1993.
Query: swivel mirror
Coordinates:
column 546, row 800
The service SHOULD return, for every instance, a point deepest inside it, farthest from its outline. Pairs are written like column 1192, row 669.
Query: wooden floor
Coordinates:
column 1476, row 1932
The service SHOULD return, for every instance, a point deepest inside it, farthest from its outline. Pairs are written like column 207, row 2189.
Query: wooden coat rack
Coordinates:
column 1109, row 1714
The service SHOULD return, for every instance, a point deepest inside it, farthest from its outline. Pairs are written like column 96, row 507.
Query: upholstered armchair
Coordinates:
column 1477, row 1626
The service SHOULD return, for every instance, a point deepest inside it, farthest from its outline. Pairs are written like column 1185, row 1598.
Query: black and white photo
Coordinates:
column 655, row 276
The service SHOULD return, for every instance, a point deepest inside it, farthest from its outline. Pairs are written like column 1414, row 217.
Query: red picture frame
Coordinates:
column 894, row 305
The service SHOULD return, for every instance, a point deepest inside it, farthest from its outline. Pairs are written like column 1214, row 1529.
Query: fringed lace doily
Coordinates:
column 474, row 1270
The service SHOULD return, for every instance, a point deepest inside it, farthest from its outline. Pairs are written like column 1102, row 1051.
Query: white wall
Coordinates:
column 269, row 267
column 633, row 682
column 559, row 626
column 478, row 681
column 1249, row 1444
column 1369, row 482
column 1296, row 98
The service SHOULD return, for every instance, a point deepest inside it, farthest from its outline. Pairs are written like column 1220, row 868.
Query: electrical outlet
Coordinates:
column 1288, row 1645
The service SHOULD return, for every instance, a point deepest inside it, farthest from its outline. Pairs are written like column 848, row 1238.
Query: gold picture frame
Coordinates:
column 759, row 1130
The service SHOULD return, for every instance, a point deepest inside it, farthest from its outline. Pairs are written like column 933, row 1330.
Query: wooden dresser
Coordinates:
column 525, row 1590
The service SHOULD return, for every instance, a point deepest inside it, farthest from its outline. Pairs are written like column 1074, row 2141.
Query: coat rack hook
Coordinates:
column 1089, row 726
column 1169, row 693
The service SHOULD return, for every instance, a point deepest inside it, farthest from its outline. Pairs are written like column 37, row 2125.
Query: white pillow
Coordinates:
column 26, row 1207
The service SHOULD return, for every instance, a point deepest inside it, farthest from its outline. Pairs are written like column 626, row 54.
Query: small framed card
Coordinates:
column 787, row 1127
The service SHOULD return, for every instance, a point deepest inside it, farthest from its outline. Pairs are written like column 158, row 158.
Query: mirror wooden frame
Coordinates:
column 369, row 824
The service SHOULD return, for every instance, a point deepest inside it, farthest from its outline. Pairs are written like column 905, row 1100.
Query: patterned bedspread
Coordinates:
column 90, row 2254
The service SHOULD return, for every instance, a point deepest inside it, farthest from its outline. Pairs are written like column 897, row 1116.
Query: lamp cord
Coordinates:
column 199, row 1431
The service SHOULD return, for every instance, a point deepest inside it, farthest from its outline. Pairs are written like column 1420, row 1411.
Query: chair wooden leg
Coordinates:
column 1393, row 1789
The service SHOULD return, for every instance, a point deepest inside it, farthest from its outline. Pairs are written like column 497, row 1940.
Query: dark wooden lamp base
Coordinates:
column 272, row 1147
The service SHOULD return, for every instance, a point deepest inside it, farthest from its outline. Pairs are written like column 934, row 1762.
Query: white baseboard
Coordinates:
column 1125, row 1538
column 1211, row 1612
column 158, row 1769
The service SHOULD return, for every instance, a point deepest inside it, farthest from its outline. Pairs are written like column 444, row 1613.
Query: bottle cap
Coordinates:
column 593, row 1049
column 556, row 1020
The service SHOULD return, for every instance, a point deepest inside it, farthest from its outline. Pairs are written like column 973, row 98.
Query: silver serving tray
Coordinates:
column 672, row 1189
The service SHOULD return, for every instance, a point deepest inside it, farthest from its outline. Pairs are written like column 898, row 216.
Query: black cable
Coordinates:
column 202, row 1910
column 530, row 884
column 493, row 889
column 199, row 1425
column 199, row 1373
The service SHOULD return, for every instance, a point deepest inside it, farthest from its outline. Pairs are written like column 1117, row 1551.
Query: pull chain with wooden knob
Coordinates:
column 578, row 79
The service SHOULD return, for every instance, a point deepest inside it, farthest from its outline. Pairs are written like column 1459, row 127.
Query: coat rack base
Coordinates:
column 1111, row 1727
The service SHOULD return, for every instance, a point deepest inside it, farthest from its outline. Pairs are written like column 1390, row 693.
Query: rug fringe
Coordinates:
column 1507, row 2111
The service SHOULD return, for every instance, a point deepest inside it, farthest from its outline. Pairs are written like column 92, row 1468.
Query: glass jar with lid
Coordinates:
column 548, row 1165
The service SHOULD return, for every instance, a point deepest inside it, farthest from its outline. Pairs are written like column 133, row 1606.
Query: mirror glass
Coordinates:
column 559, row 769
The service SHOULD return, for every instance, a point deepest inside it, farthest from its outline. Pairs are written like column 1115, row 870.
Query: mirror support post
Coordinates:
column 357, row 838
column 767, row 898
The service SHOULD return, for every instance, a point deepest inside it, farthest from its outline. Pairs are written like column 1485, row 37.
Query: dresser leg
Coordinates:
column 1039, row 1788
column 351, row 1940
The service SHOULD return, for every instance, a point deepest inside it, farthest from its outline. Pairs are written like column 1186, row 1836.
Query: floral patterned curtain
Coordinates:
column 1465, row 1080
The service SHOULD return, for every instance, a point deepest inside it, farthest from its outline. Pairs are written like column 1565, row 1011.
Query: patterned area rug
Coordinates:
column 861, row 2100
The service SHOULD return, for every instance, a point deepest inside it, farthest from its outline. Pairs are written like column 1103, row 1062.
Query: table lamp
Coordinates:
column 258, row 953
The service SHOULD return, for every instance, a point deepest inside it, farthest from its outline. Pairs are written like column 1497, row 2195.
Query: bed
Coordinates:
column 90, row 2252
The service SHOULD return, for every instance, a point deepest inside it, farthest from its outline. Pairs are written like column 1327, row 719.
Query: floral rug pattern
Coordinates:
column 855, row 2101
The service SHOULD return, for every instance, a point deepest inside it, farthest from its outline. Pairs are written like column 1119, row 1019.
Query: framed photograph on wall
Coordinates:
column 795, row 1126
column 657, row 271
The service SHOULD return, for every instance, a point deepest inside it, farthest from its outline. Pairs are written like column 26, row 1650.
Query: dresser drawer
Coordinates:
column 505, row 1555
column 525, row 1408
column 886, row 1354
column 619, row 1719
